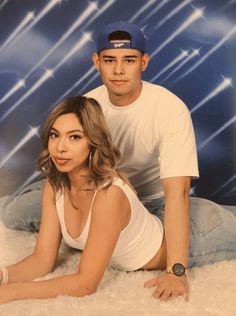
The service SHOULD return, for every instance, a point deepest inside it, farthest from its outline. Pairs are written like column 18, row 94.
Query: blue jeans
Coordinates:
column 213, row 227
column 212, row 230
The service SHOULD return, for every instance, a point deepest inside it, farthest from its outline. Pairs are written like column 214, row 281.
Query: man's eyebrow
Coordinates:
column 69, row 132
column 126, row 56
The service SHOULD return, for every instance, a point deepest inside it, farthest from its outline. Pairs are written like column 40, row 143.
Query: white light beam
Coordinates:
column 32, row 132
column 161, row 4
column 2, row 5
column 143, row 9
column 25, row 21
column 100, row 11
column 89, row 82
column 20, row 84
column 218, row 132
column 198, row 13
column 84, row 39
column 86, row 13
column 224, row 185
column 211, row 51
column 224, row 84
column 92, row 6
column 44, row 12
column 48, row 74
column 195, row 52
column 182, row 55
column 87, row 74
column 172, row 13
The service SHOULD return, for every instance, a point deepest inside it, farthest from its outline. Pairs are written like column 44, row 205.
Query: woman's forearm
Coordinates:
column 28, row 269
column 72, row 285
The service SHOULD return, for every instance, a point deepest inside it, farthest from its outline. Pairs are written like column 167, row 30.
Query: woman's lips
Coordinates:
column 61, row 161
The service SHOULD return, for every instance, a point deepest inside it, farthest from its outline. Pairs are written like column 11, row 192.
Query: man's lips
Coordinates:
column 119, row 82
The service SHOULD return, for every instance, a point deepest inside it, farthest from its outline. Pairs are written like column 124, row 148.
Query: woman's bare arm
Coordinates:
column 110, row 215
column 45, row 253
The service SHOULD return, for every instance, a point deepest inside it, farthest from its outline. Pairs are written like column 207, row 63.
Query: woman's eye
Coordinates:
column 75, row 137
column 53, row 135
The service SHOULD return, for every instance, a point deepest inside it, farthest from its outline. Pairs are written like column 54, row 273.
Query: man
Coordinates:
column 153, row 129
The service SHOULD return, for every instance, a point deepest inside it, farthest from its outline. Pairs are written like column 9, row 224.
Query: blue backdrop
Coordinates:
column 45, row 49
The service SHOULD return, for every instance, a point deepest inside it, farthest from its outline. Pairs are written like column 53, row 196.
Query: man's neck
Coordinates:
column 124, row 100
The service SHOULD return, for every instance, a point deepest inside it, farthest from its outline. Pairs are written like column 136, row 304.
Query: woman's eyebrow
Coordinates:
column 69, row 132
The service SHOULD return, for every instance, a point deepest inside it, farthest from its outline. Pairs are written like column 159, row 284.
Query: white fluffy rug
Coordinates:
column 213, row 288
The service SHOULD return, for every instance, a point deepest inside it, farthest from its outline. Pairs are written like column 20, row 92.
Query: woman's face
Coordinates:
column 68, row 147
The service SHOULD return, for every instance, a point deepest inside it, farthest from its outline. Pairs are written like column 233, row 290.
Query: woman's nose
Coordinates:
column 61, row 145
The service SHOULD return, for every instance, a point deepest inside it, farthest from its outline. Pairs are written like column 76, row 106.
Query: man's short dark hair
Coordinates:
column 119, row 35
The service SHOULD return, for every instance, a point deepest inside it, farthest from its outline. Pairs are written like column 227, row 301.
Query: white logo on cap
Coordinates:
column 118, row 45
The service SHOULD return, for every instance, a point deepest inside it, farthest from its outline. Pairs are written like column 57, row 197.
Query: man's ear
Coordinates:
column 96, row 60
column 145, row 61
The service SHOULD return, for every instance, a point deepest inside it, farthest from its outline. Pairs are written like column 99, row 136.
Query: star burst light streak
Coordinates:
column 197, row 14
column 62, row 97
column 2, row 5
column 161, row 4
column 20, row 84
column 224, row 185
column 172, row 13
column 86, row 13
column 48, row 74
column 195, row 52
column 218, row 132
column 29, row 16
column 224, row 84
column 183, row 54
column 100, row 11
column 143, row 9
column 89, row 82
column 31, row 133
column 44, row 12
column 211, row 51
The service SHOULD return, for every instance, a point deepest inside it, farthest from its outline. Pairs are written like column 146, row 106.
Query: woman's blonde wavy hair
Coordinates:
column 104, row 154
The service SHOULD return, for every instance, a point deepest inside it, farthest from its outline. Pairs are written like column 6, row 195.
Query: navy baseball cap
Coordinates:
column 137, row 37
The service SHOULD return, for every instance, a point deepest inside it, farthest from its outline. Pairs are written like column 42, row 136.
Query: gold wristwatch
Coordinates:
column 177, row 269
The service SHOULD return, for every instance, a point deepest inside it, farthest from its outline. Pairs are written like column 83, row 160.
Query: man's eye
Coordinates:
column 129, row 61
column 108, row 61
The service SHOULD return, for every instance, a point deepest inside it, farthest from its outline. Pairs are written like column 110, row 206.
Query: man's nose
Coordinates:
column 119, row 68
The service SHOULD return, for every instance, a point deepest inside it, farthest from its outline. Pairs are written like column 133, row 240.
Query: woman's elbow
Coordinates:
column 85, row 287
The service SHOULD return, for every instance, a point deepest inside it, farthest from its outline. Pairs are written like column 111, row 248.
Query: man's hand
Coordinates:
column 169, row 286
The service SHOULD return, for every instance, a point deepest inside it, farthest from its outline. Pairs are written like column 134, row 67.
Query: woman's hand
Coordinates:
column 169, row 286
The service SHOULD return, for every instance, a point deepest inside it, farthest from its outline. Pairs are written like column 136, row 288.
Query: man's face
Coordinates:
column 120, row 71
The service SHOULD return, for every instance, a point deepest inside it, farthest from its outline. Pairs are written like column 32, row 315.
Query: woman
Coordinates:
column 92, row 205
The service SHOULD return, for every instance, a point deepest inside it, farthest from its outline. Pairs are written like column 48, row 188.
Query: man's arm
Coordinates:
column 176, row 219
column 176, row 227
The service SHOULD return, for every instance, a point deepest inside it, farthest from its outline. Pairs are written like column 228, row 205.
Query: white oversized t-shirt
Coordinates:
column 155, row 136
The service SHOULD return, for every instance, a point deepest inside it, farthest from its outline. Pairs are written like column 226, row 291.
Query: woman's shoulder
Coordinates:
column 112, row 195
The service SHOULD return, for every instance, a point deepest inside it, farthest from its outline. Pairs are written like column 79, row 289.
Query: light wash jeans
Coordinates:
column 212, row 230
column 213, row 227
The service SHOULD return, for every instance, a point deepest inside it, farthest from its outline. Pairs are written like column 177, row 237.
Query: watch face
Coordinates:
column 178, row 269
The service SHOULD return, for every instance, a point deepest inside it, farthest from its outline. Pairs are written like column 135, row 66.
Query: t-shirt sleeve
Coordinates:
column 177, row 150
